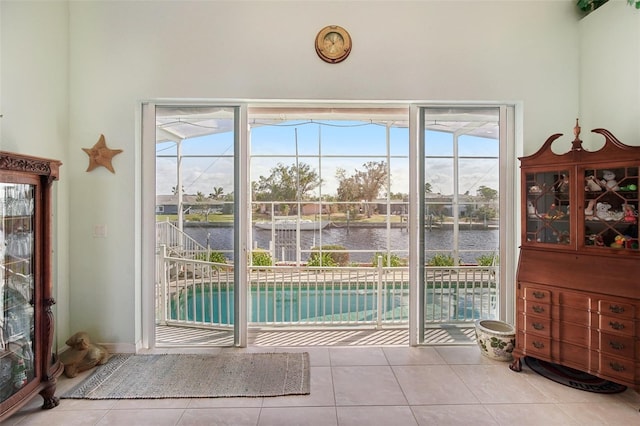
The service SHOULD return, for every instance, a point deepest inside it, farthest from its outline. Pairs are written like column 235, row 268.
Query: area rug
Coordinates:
column 128, row 376
column 573, row 378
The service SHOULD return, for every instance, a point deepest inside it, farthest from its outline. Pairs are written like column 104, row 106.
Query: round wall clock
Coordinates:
column 333, row 44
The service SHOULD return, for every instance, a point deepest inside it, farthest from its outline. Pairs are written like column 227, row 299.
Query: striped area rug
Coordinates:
column 128, row 376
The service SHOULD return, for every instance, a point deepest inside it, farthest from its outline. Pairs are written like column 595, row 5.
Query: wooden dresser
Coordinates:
column 578, row 294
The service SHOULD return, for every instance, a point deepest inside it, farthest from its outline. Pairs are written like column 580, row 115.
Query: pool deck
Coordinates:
column 175, row 336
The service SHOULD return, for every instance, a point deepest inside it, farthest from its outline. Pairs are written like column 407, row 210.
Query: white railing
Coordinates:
column 195, row 292
column 460, row 294
column 176, row 241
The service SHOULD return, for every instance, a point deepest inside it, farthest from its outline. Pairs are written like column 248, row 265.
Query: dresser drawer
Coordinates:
column 617, row 345
column 537, row 308
column 532, row 293
column 619, row 325
column 616, row 367
column 616, row 309
column 537, row 325
column 534, row 344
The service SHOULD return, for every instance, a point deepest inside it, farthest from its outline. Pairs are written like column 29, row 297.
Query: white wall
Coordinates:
column 124, row 52
column 610, row 73
column 34, row 91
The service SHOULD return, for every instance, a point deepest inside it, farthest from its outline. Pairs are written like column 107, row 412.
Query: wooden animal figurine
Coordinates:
column 82, row 355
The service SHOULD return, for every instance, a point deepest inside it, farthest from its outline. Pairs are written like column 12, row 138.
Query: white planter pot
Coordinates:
column 495, row 339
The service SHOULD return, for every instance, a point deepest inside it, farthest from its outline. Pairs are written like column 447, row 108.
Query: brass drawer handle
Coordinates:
column 539, row 345
column 538, row 294
column 616, row 325
column 617, row 367
column 538, row 326
column 616, row 345
column 537, row 309
column 616, row 309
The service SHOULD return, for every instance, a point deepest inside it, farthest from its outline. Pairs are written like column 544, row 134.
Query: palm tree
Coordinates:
column 217, row 193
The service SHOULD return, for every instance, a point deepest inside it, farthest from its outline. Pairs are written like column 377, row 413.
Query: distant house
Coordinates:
column 437, row 204
column 309, row 209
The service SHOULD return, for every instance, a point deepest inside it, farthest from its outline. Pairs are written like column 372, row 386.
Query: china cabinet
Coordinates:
column 578, row 296
column 27, row 363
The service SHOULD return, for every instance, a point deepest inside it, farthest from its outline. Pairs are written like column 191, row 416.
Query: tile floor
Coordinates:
column 384, row 385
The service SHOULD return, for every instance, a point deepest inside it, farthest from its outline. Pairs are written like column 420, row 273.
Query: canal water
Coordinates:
column 363, row 243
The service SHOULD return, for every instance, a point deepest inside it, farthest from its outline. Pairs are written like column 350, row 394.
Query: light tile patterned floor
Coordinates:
column 369, row 385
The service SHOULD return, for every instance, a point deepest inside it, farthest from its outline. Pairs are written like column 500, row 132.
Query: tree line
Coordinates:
column 296, row 183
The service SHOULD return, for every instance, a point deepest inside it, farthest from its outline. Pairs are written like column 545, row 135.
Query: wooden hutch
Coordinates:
column 578, row 294
column 27, row 363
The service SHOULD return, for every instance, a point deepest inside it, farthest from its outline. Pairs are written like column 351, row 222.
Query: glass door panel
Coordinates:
column 459, row 215
column 17, row 287
column 548, row 207
column 611, row 208
column 196, row 221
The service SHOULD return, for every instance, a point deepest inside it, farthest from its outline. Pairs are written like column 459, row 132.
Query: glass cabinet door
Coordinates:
column 611, row 207
column 547, row 207
column 16, row 287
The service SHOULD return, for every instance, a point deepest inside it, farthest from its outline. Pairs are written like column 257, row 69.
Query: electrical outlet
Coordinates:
column 99, row 231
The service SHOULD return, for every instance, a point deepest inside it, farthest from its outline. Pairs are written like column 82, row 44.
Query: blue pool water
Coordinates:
column 267, row 305
column 320, row 305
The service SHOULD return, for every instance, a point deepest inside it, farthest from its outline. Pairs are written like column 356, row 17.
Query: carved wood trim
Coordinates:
column 27, row 164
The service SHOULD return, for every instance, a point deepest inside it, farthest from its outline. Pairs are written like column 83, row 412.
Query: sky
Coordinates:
column 326, row 146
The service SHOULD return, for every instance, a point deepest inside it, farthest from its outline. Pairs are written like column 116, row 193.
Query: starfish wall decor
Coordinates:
column 100, row 155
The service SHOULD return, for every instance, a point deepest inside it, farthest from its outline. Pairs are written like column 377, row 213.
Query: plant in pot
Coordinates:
column 589, row 6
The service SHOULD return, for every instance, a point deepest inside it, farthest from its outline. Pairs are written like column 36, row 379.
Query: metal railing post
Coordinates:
column 379, row 307
column 164, row 270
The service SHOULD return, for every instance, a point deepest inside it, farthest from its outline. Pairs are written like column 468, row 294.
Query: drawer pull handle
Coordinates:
column 617, row 345
column 617, row 367
column 538, row 309
column 616, row 309
column 538, row 326
column 538, row 295
column 616, row 325
column 540, row 345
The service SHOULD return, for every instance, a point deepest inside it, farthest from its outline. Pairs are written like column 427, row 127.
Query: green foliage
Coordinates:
column 286, row 183
column 590, row 5
column 261, row 258
column 337, row 259
column 487, row 260
column 440, row 259
column 362, row 184
column 214, row 256
column 485, row 212
column 392, row 260
column 487, row 193
column 321, row 259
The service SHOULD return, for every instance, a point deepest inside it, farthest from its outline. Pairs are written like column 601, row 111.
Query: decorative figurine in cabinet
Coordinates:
column 579, row 251
column 27, row 363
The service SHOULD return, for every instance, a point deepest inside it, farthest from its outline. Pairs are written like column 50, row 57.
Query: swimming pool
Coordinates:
column 277, row 304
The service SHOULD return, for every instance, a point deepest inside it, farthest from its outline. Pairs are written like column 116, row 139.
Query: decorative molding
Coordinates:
column 28, row 164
